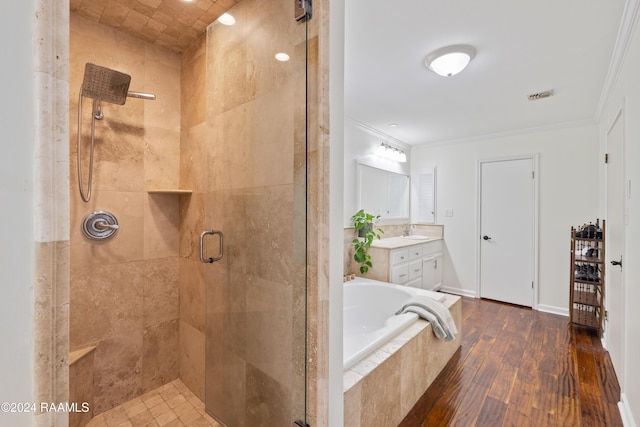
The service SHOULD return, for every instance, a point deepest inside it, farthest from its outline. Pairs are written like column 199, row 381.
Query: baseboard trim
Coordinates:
column 456, row 291
column 625, row 412
column 561, row 311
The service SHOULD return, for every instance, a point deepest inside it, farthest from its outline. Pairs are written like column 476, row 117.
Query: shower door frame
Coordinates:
column 251, row 210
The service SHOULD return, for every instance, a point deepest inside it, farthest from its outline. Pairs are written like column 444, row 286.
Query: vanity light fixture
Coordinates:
column 226, row 19
column 391, row 153
column 450, row 60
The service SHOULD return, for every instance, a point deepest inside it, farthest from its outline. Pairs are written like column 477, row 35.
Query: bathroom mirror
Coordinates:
column 384, row 193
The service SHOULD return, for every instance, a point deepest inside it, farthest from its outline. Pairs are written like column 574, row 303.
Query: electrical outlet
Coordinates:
column 448, row 212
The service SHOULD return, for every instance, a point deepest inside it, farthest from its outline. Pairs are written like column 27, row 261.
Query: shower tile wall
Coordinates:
column 125, row 292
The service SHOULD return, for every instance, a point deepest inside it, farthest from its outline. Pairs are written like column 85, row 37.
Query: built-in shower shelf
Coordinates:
column 168, row 191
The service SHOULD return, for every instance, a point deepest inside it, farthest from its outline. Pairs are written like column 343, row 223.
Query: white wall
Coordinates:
column 627, row 92
column 568, row 195
column 16, row 198
column 361, row 144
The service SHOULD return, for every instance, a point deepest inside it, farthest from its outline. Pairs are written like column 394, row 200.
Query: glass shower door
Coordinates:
column 256, row 195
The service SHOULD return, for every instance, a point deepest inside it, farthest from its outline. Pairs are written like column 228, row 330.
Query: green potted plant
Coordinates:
column 365, row 225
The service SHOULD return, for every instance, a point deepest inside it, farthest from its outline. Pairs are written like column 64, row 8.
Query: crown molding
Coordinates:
column 625, row 32
column 505, row 134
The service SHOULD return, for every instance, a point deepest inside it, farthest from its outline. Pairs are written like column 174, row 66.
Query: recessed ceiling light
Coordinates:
column 393, row 125
column 226, row 19
column 449, row 61
column 282, row 57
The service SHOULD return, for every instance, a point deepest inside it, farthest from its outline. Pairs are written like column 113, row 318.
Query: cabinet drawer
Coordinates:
column 400, row 274
column 399, row 256
column 432, row 247
column 415, row 252
column 415, row 269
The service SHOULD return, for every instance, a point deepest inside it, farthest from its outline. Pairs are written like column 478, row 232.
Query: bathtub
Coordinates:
column 369, row 315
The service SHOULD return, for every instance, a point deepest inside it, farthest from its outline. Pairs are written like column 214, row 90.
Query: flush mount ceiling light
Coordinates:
column 226, row 19
column 449, row 61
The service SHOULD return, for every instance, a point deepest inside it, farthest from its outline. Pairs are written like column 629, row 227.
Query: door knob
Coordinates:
column 486, row 237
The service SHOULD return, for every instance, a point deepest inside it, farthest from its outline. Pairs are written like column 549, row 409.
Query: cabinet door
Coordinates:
column 429, row 272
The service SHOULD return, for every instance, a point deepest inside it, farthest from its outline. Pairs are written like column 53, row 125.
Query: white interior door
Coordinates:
column 614, row 292
column 507, row 228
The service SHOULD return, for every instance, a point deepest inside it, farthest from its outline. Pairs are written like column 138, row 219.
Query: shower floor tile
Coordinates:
column 172, row 405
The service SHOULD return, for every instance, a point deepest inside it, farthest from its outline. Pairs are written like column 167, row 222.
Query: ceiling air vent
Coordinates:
column 540, row 95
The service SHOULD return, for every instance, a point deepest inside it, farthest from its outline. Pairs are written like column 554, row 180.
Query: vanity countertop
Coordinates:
column 400, row 242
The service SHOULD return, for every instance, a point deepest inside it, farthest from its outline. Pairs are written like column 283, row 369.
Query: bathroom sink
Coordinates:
column 416, row 237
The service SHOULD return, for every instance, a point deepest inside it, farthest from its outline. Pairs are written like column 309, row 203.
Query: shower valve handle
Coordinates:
column 105, row 225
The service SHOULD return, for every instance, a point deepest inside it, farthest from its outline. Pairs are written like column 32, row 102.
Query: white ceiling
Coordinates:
column 523, row 47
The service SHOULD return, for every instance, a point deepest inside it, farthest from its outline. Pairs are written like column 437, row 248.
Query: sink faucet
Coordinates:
column 406, row 232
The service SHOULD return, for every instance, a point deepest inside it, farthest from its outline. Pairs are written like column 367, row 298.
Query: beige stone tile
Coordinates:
column 136, row 409
column 152, row 399
column 169, row 392
column 131, row 403
column 161, row 158
column 81, row 389
column 160, row 409
column 160, row 291
column 176, row 401
column 192, row 223
column 192, row 358
column 353, row 406
column 193, row 158
column 183, row 409
column 118, row 298
column 160, row 355
column 118, row 371
column 193, row 92
column 163, row 80
column 161, row 226
column 166, row 418
column 192, row 293
column 380, row 393
column 144, row 419
column 175, row 423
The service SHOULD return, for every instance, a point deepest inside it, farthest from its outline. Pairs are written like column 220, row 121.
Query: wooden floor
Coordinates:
column 519, row 367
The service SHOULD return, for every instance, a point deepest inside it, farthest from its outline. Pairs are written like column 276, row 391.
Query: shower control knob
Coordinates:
column 99, row 225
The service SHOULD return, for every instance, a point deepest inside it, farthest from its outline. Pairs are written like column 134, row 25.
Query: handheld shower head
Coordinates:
column 105, row 84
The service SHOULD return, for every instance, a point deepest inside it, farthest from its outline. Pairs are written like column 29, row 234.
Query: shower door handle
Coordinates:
column 210, row 260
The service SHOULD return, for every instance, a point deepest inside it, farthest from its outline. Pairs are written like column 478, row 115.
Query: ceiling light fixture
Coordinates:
column 226, row 19
column 391, row 153
column 449, row 61
column 282, row 57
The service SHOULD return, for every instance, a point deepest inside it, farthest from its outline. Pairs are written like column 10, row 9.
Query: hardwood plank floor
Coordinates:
column 518, row 367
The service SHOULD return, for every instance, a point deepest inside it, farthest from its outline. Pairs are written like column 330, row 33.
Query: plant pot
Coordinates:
column 364, row 230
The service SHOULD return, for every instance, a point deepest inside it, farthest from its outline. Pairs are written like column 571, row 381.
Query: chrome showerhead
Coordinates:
column 105, row 84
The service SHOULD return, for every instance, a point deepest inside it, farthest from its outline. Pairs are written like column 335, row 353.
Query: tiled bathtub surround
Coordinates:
column 381, row 389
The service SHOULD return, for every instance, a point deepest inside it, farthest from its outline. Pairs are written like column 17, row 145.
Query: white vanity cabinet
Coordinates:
column 417, row 265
